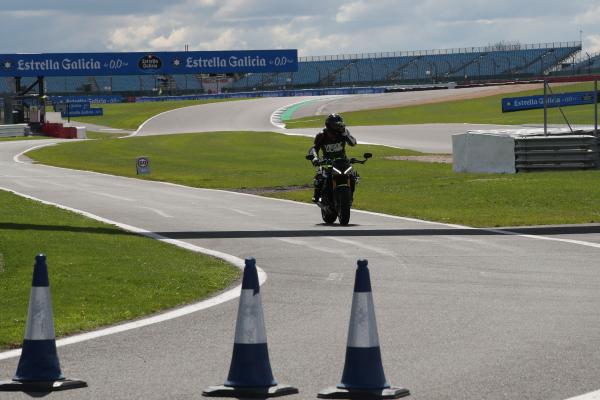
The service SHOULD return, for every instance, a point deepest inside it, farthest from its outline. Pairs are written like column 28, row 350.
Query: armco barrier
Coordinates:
column 275, row 93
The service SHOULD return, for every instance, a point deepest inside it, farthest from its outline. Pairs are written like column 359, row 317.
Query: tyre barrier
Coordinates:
column 363, row 376
column 250, row 371
column 39, row 368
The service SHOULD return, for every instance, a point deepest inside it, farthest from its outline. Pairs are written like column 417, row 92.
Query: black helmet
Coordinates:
column 335, row 123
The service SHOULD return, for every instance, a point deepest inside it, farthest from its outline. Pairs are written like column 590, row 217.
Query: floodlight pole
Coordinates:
column 596, row 107
column 545, row 108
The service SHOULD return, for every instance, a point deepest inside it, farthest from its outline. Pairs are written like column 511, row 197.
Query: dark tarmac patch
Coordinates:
column 277, row 189
column 441, row 158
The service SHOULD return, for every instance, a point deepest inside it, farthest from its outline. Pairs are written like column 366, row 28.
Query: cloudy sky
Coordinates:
column 314, row 27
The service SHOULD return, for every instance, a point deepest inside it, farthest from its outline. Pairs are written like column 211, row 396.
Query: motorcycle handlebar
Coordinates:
column 326, row 161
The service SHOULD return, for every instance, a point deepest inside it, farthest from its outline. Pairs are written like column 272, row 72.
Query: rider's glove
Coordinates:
column 315, row 161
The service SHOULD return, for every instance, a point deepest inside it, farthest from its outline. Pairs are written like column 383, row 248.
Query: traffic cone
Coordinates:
column 39, row 368
column 363, row 376
column 250, row 371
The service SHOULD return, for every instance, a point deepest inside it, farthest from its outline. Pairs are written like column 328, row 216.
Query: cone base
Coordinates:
column 41, row 386
column 338, row 393
column 249, row 392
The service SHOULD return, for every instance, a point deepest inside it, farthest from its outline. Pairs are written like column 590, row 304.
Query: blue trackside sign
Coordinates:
column 82, row 109
column 157, row 63
column 511, row 104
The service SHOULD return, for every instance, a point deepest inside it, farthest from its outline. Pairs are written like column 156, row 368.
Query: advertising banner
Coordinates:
column 511, row 104
column 155, row 63
column 77, row 109
column 94, row 99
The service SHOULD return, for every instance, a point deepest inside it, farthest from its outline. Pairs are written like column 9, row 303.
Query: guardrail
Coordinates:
column 556, row 152
column 274, row 93
column 458, row 50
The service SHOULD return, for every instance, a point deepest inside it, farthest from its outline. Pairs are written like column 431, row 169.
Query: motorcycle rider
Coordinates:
column 331, row 141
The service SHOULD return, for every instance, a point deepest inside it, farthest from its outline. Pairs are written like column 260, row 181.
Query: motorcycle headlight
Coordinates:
column 337, row 171
column 348, row 170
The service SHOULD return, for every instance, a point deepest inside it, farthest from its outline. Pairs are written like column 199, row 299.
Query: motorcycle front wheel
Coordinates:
column 329, row 217
column 344, row 198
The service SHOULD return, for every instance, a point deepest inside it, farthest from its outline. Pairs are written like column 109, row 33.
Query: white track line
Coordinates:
column 242, row 212
column 110, row 196
column 588, row 396
column 157, row 211
column 202, row 305
column 150, row 119
column 356, row 243
column 421, row 221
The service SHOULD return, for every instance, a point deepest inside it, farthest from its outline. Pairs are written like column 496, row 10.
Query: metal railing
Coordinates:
column 459, row 50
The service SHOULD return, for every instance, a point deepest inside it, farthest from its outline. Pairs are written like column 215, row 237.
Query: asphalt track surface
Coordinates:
column 462, row 313
column 255, row 115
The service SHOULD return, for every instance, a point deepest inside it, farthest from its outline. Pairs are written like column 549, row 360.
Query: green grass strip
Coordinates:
column 132, row 115
column 266, row 161
column 99, row 274
column 485, row 110
column 104, row 135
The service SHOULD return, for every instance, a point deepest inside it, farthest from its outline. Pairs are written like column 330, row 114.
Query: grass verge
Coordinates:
column 266, row 162
column 485, row 110
column 104, row 135
column 99, row 274
column 132, row 115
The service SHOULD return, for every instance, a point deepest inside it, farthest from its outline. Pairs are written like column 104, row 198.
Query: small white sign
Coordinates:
column 143, row 165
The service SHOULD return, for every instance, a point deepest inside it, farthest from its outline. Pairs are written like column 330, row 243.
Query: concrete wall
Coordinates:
column 483, row 152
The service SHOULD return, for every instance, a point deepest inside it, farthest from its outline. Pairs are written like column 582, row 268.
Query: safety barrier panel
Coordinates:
column 276, row 93
column 59, row 131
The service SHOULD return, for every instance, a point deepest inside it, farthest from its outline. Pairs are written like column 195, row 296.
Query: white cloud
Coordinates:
column 225, row 40
column 592, row 44
column 176, row 39
column 590, row 16
column 352, row 11
column 131, row 36
column 315, row 27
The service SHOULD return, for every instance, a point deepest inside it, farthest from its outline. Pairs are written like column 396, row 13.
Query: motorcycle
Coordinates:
column 337, row 192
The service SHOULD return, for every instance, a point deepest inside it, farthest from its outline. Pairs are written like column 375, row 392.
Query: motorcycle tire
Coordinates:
column 328, row 217
column 344, row 197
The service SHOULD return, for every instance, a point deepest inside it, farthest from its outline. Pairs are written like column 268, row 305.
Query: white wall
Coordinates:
column 483, row 152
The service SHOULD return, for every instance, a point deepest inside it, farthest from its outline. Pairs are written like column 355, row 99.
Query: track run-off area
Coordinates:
column 462, row 313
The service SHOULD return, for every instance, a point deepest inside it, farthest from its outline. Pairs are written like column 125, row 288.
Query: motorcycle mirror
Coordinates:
column 309, row 157
column 367, row 155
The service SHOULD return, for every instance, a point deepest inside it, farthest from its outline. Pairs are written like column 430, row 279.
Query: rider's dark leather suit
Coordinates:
column 333, row 145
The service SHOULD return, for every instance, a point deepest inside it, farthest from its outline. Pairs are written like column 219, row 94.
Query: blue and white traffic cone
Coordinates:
column 250, row 372
column 363, row 375
column 39, row 368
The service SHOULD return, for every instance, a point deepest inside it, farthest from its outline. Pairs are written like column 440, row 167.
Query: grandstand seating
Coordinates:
column 6, row 85
column 495, row 62
column 590, row 63
column 416, row 66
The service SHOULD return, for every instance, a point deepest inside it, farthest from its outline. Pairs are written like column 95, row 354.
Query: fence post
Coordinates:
column 596, row 107
column 545, row 108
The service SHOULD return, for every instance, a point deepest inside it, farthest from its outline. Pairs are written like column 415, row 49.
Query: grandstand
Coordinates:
column 493, row 62
column 588, row 64
column 497, row 62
